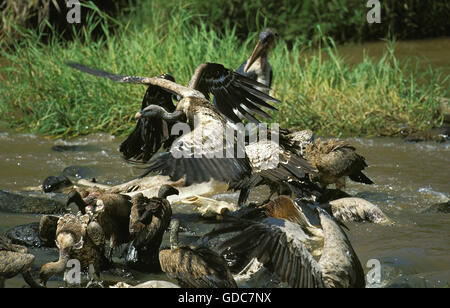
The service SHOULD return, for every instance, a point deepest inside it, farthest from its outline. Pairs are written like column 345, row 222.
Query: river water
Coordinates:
column 408, row 178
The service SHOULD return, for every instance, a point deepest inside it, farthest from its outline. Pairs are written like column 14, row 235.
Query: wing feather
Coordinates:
column 275, row 247
column 234, row 94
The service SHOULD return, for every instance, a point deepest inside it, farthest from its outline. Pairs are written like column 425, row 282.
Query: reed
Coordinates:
column 317, row 87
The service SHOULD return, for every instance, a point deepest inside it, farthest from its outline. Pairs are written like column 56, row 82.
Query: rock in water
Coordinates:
column 31, row 203
column 75, row 148
column 55, row 183
column 443, row 207
column 440, row 134
column 79, row 172
column 26, row 235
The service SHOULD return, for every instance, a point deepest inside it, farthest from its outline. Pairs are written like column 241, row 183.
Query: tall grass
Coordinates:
column 318, row 89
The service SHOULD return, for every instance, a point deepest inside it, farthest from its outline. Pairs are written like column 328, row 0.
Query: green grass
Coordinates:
column 318, row 89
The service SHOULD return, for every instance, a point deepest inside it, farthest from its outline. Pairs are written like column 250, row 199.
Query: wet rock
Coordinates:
column 75, row 148
column 79, row 172
column 443, row 207
column 441, row 134
column 35, row 234
column 32, row 203
column 55, row 183
column 26, row 235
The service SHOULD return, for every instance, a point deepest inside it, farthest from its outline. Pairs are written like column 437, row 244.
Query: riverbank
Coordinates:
column 319, row 88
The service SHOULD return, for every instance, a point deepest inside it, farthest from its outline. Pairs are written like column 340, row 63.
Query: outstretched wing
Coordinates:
column 277, row 246
column 202, row 159
column 234, row 95
column 166, row 84
column 149, row 134
column 104, row 74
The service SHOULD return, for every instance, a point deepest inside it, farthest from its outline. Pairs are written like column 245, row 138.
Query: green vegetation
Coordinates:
column 318, row 89
column 343, row 20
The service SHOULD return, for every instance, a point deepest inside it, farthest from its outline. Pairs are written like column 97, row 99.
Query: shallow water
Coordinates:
column 432, row 51
column 409, row 177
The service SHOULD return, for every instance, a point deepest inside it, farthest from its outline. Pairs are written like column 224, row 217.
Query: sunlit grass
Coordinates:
column 318, row 89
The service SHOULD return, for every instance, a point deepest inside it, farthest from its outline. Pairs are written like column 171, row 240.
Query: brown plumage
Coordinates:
column 149, row 219
column 47, row 229
column 113, row 215
column 84, row 199
column 282, row 207
column 14, row 260
column 112, row 212
column 77, row 237
column 335, row 160
column 194, row 267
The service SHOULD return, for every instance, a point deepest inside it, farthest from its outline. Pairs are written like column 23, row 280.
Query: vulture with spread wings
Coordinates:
column 281, row 246
column 203, row 153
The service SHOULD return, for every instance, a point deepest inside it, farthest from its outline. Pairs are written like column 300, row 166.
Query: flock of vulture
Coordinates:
column 296, row 237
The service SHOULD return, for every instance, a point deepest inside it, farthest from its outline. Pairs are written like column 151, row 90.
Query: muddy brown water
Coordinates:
column 409, row 177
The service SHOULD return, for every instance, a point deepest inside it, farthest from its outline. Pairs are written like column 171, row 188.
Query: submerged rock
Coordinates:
column 440, row 134
column 32, row 203
column 55, row 183
column 79, row 172
column 421, row 280
column 75, row 148
column 443, row 207
column 26, row 235
column 35, row 234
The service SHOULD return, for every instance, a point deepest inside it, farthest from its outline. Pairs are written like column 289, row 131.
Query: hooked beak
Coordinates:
column 259, row 48
column 143, row 112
